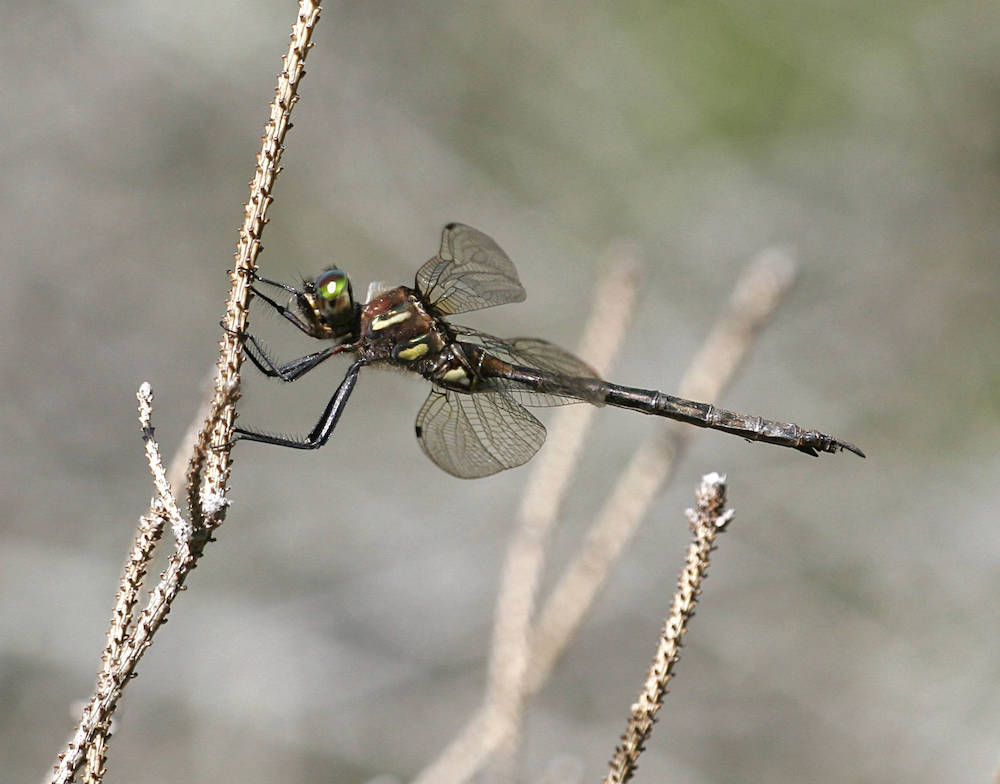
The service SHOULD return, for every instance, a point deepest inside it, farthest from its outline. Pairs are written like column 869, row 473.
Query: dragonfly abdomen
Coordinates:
column 753, row 428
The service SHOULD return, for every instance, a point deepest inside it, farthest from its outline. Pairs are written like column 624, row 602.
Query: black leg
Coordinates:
column 320, row 434
column 283, row 311
column 277, row 284
column 288, row 371
column 254, row 277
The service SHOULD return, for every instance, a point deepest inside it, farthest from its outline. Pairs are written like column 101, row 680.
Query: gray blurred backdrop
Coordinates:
column 339, row 628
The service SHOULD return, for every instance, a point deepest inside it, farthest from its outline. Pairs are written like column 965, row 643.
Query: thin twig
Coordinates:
column 129, row 636
column 164, row 492
column 208, row 469
column 143, row 546
column 162, row 510
column 707, row 521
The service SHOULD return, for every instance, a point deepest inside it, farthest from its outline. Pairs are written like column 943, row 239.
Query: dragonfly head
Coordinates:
column 327, row 303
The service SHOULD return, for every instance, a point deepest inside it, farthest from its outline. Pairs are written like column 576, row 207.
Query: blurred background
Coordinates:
column 339, row 628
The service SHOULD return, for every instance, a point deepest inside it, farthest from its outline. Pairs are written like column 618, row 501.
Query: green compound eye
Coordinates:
column 331, row 283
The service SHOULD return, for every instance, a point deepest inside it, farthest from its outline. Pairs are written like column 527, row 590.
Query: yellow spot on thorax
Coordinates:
column 388, row 319
column 456, row 376
column 414, row 352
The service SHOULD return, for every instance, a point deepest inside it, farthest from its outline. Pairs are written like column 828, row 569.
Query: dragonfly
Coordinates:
column 474, row 422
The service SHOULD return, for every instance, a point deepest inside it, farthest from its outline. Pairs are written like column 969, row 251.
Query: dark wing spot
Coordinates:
column 420, row 431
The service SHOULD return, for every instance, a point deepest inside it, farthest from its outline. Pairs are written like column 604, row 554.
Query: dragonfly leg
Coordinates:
column 252, row 276
column 320, row 434
column 283, row 311
column 277, row 284
column 287, row 371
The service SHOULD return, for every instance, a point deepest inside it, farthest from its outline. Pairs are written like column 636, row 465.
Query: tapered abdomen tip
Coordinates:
column 851, row 448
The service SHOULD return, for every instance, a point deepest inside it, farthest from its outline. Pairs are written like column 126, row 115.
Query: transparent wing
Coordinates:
column 476, row 435
column 470, row 272
column 578, row 381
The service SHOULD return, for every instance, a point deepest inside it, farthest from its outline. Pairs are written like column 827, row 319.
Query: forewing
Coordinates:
column 469, row 273
column 475, row 435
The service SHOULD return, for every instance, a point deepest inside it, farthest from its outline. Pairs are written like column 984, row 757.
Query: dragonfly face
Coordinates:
column 474, row 422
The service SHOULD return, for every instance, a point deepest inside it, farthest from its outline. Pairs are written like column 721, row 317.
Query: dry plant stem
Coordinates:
column 148, row 534
column 162, row 510
column 757, row 294
column 129, row 637
column 164, row 492
column 707, row 521
column 495, row 726
column 208, row 470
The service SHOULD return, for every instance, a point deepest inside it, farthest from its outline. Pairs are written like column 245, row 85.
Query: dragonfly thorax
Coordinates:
column 396, row 327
